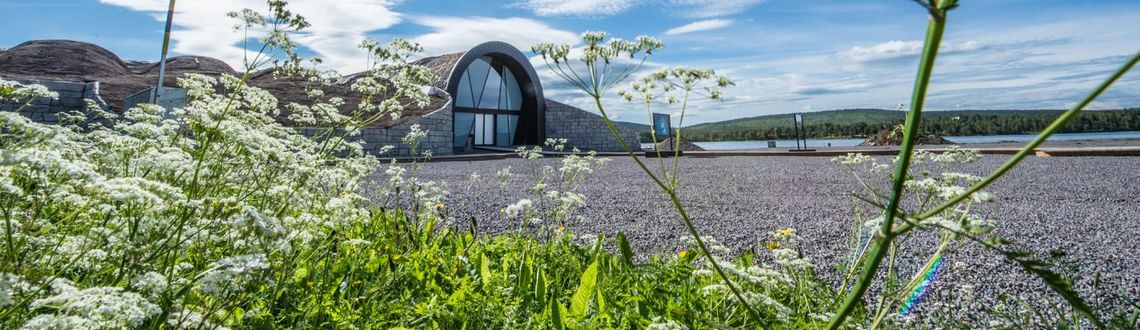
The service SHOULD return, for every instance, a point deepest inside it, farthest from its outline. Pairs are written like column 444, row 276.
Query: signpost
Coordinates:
column 801, row 134
column 165, row 48
column 166, row 97
column 662, row 131
column 662, row 125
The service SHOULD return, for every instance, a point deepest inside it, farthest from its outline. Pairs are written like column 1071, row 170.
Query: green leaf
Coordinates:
column 601, row 302
column 540, row 286
column 581, row 299
column 1059, row 284
column 485, row 272
column 427, row 231
column 300, row 274
column 556, row 312
column 626, row 252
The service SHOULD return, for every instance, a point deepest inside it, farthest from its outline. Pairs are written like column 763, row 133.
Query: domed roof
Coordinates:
column 441, row 67
column 78, row 61
column 63, row 59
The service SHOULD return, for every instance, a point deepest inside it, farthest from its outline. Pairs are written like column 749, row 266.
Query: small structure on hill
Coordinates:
column 669, row 145
column 893, row 136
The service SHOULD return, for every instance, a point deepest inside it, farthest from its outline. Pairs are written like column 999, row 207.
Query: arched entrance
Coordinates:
column 497, row 98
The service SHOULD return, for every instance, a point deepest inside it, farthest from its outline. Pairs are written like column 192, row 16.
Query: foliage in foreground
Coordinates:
column 214, row 216
column 138, row 226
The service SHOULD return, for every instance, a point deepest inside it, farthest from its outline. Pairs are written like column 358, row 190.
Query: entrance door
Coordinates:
column 484, row 129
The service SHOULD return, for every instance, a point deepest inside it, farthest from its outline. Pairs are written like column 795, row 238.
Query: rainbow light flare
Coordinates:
column 920, row 290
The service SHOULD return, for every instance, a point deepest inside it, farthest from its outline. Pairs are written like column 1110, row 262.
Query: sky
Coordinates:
column 784, row 55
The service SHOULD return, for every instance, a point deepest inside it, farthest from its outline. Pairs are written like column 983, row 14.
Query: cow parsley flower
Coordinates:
column 151, row 283
column 232, row 274
column 10, row 286
column 99, row 307
column 518, row 208
column 660, row 323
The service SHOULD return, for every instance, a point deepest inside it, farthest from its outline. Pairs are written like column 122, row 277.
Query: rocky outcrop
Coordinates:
column 893, row 137
column 670, row 145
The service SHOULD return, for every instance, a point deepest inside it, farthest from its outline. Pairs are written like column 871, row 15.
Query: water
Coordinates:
column 822, row 143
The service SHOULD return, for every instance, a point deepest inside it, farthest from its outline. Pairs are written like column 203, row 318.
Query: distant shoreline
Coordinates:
column 1129, row 142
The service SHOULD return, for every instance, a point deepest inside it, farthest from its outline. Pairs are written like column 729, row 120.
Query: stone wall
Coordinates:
column 72, row 97
column 585, row 130
column 437, row 124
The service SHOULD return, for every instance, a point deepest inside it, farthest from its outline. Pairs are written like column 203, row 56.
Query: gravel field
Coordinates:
column 1088, row 207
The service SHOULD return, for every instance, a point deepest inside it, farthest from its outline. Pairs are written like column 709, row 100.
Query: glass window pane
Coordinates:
column 464, row 99
column 513, row 127
column 479, row 129
column 505, row 132
column 490, row 97
column 488, row 129
column 464, row 123
column 511, row 94
column 478, row 71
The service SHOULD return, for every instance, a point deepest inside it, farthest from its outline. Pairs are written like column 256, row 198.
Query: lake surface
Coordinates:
column 821, row 143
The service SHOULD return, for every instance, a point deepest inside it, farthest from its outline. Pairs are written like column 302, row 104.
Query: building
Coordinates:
column 489, row 98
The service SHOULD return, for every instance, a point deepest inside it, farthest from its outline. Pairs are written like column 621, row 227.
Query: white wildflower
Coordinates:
column 518, row 208
column 233, row 273
column 665, row 324
column 151, row 283
column 103, row 307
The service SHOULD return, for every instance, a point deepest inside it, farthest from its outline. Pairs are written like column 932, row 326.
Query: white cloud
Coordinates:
column 576, row 7
column 898, row 49
column 202, row 27
column 600, row 8
column 712, row 8
column 704, row 25
column 454, row 34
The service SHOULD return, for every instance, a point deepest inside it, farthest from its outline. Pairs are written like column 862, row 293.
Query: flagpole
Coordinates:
column 165, row 48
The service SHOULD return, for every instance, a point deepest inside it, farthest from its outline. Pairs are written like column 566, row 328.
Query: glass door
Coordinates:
column 484, row 129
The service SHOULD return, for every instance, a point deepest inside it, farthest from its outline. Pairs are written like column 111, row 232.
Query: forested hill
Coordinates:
column 863, row 122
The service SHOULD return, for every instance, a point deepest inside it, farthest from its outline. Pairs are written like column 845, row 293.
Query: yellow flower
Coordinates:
column 395, row 257
column 773, row 245
column 439, row 206
column 561, row 228
column 786, row 232
column 682, row 254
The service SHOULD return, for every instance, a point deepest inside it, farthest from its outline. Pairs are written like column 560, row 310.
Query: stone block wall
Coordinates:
column 72, row 97
column 439, row 140
column 585, row 130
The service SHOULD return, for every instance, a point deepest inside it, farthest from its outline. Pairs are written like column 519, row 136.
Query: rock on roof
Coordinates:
column 78, row 61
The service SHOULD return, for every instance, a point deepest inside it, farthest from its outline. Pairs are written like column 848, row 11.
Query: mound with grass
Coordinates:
column 894, row 137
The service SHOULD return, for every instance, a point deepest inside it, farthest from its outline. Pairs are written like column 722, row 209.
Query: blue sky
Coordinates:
column 785, row 55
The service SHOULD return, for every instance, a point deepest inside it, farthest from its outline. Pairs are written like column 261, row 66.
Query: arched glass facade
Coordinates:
column 488, row 102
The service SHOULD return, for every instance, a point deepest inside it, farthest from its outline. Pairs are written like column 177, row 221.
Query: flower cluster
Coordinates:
column 554, row 199
column 184, row 212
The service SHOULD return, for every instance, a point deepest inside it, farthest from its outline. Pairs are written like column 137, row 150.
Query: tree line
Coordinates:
column 966, row 124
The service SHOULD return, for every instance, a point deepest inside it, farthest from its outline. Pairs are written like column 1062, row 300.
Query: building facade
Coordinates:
column 487, row 99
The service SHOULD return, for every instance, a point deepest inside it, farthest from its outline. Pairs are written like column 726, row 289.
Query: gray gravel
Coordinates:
column 1088, row 207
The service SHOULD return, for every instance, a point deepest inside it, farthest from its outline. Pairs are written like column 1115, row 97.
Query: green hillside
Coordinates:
column 862, row 122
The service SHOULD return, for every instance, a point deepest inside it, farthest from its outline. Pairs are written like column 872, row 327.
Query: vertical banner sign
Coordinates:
column 662, row 126
column 800, row 135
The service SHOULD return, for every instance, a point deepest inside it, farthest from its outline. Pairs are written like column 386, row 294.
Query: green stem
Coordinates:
column 680, row 209
column 935, row 28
